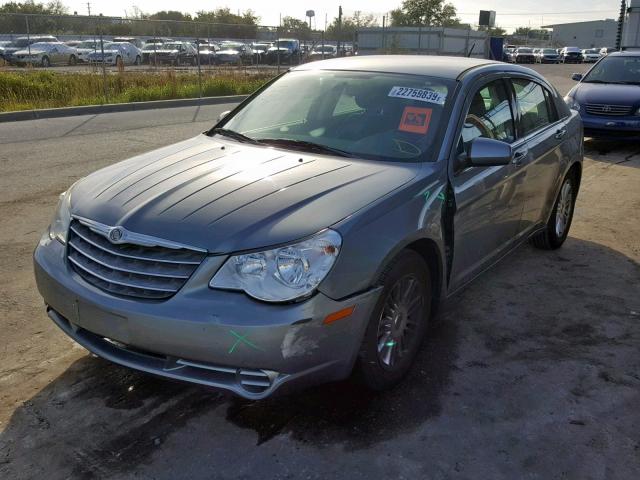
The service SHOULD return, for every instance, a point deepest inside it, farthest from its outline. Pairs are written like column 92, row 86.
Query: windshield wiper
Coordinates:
column 594, row 81
column 306, row 146
column 629, row 83
column 232, row 134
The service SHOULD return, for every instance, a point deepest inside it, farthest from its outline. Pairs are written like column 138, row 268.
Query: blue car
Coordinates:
column 608, row 97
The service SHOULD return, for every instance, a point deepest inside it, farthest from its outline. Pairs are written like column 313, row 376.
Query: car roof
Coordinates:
column 437, row 66
column 626, row 53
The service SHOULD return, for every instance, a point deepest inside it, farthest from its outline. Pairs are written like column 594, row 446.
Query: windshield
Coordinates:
column 42, row 45
column 592, row 50
column 171, row 46
column 327, row 49
column 550, row 51
column 525, row 50
column 370, row 115
column 613, row 69
column 87, row 44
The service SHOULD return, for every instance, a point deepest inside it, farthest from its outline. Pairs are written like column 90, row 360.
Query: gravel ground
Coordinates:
column 532, row 372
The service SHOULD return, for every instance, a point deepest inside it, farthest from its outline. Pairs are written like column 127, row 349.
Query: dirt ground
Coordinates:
column 532, row 372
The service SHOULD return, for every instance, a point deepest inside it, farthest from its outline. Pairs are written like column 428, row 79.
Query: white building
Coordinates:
column 597, row 33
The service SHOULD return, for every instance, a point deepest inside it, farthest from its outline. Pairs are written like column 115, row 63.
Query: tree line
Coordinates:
column 220, row 22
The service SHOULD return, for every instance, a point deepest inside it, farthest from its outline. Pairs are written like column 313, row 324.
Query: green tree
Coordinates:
column 435, row 13
column 30, row 6
column 350, row 24
column 228, row 24
column 296, row 28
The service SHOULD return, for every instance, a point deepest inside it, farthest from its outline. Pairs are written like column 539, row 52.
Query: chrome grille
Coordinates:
column 608, row 110
column 127, row 269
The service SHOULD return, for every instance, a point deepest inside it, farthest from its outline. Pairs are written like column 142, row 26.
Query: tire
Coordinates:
column 119, row 61
column 73, row 60
column 45, row 62
column 557, row 229
column 394, row 335
column 138, row 60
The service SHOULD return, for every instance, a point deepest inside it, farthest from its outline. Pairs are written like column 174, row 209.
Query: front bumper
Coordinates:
column 219, row 339
column 612, row 128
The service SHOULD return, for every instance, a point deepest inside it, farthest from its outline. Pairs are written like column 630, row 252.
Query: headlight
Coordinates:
column 637, row 114
column 572, row 103
column 59, row 227
column 284, row 273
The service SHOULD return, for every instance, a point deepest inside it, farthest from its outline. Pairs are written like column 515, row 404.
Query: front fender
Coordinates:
column 375, row 235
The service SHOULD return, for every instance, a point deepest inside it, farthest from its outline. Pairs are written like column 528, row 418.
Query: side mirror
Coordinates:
column 223, row 114
column 487, row 152
column 576, row 76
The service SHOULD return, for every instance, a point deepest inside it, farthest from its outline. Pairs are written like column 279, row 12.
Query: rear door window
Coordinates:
column 533, row 106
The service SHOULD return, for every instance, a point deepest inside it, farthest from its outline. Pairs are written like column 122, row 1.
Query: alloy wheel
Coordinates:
column 563, row 211
column 399, row 319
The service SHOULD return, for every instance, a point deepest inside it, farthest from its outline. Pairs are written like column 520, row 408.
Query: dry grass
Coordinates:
column 42, row 89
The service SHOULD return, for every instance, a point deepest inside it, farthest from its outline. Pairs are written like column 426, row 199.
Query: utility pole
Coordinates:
column 89, row 8
column 339, row 27
column 623, row 11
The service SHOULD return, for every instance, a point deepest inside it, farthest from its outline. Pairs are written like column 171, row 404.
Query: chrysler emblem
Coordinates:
column 116, row 234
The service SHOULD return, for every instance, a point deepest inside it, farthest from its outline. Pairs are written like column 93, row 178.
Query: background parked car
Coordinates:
column 259, row 52
column 608, row 97
column 46, row 54
column 232, row 53
column 590, row 55
column 86, row 47
column 116, row 53
column 287, row 49
column 148, row 50
column 547, row 55
column 506, row 53
column 522, row 55
column 175, row 53
column 21, row 43
column 323, row 51
column 604, row 51
column 207, row 53
column 571, row 55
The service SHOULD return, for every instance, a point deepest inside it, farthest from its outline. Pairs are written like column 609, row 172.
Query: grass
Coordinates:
column 41, row 89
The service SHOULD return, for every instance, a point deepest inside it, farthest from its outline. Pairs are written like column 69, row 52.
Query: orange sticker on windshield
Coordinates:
column 415, row 120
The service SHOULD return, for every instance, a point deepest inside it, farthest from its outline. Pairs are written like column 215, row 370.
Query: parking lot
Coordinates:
column 531, row 372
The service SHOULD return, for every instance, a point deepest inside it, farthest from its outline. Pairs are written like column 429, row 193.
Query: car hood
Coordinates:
column 166, row 50
column 106, row 52
column 225, row 196
column 228, row 51
column 606, row 93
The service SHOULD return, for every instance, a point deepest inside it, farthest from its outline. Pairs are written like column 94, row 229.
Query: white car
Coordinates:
column 590, row 55
column 46, row 54
column 116, row 53
column 86, row 47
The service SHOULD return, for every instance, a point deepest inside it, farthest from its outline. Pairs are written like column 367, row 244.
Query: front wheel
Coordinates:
column 557, row 229
column 398, row 323
column 72, row 60
column 138, row 60
column 45, row 62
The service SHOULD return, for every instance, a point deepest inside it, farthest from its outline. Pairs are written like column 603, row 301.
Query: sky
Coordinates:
column 509, row 14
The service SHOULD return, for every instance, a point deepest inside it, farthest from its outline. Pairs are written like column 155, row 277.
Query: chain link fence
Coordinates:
column 188, row 58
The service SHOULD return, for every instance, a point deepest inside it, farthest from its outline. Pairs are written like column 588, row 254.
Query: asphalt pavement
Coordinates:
column 531, row 372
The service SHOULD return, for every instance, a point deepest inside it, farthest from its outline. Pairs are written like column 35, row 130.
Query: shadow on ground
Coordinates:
column 613, row 152
column 98, row 420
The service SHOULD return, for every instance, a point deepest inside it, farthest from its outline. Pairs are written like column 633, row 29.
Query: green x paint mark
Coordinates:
column 391, row 343
column 440, row 196
column 242, row 339
column 426, row 195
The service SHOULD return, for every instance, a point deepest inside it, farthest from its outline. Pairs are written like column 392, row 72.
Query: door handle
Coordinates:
column 561, row 132
column 518, row 157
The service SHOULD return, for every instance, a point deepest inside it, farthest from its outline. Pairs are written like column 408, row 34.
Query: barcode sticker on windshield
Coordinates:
column 420, row 94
